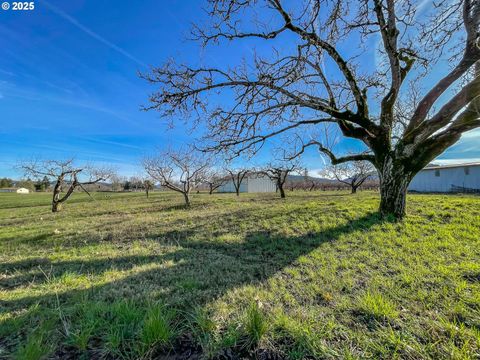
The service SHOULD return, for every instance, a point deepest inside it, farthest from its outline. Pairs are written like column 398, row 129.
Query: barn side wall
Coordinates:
column 228, row 187
column 252, row 184
column 446, row 179
column 260, row 185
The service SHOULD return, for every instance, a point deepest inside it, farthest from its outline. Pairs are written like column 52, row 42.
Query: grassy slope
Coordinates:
column 316, row 275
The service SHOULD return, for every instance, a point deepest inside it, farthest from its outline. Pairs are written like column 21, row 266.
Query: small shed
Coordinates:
column 23, row 191
column 448, row 178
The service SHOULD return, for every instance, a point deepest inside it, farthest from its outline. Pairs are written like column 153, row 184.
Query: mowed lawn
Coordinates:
column 317, row 275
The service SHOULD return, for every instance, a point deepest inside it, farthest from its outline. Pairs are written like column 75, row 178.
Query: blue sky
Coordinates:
column 69, row 84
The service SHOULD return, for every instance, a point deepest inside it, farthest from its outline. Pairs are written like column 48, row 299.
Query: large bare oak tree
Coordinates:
column 289, row 89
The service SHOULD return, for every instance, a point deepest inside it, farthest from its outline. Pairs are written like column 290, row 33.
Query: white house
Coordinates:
column 254, row 183
column 448, row 178
column 22, row 191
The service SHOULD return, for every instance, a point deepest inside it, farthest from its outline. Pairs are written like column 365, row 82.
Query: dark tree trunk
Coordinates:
column 56, row 196
column 394, row 181
column 354, row 189
column 187, row 199
column 56, row 206
column 147, row 193
column 237, row 191
column 212, row 188
column 280, row 188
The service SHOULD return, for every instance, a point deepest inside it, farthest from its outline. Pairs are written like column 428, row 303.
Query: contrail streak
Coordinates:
column 91, row 33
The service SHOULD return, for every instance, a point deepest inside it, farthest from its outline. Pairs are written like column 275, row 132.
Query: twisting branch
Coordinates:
column 333, row 158
column 471, row 54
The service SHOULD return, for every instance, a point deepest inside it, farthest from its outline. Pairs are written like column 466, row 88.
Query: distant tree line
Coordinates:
column 133, row 183
column 6, row 183
column 39, row 185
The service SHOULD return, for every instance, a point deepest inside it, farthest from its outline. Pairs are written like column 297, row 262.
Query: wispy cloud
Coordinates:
column 35, row 95
column 5, row 72
column 59, row 150
column 109, row 142
column 422, row 6
column 91, row 33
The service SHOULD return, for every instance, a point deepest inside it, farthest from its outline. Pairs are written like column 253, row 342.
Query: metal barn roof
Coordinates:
column 450, row 166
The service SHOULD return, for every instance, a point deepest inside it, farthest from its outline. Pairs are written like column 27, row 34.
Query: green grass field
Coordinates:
column 317, row 275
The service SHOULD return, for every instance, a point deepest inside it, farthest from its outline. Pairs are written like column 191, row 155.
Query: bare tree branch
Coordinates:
column 65, row 174
column 178, row 170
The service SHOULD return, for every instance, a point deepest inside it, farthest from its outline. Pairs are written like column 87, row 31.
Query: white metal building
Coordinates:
column 448, row 178
column 251, row 184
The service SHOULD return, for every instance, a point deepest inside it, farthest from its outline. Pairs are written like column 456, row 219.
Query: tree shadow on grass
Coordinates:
column 41, row 270
column 191, row 273
column 194, row 272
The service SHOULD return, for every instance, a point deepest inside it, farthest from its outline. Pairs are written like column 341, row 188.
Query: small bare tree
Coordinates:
column 214, row 179
column 147, row 185
column 279, row 171
column 353, row 174
column 66, row 176
column 178, row 171
column 237, row 176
